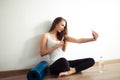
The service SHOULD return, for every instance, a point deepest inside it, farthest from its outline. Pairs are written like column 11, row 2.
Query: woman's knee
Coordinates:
column 64, row 63
column 62, row 59
column 91, row 61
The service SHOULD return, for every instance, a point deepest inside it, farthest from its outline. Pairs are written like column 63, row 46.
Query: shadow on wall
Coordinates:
column 31, row 51
column 43, row 27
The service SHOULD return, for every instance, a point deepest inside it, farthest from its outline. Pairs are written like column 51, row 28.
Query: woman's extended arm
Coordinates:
column 82, row 40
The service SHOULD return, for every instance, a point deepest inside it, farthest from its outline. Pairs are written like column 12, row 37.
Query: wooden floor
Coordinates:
column 111, row 72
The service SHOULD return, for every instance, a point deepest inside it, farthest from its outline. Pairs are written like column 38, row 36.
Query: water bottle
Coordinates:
column 101, row 64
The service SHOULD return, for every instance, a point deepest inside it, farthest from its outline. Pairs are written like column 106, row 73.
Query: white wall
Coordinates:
column 23, row 21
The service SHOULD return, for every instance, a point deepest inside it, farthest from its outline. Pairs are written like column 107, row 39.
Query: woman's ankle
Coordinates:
column 72, row 71
column 61, row 74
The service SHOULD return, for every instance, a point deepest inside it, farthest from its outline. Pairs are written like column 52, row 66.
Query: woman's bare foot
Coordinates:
column 63, row 74
column 71, row 71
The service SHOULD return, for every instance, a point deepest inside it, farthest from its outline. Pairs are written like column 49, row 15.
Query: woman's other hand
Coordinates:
column 95, row 35
column 61, row 43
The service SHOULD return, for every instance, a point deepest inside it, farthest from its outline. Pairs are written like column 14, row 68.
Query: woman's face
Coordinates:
column 60, row 26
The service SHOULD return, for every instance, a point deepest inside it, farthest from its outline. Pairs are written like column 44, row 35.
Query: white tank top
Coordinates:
column 56, row 54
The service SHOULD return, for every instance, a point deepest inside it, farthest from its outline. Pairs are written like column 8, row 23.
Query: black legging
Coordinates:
column 62, row 65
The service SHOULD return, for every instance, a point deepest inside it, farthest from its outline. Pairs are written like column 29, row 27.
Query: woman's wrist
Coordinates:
column 56, row 46
column 93, row 38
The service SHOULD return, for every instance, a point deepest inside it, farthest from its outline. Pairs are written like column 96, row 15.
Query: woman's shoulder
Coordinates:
column 45, row 34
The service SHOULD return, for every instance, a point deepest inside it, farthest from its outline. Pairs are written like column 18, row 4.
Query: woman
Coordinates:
column 54, row 44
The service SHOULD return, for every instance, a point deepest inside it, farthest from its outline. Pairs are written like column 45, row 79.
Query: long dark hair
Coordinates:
column 61, row 34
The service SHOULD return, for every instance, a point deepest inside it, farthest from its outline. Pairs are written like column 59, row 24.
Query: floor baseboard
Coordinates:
column 4, row 74
column 109, row 61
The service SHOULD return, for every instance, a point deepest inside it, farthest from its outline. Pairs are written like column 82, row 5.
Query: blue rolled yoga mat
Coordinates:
column 38, row 72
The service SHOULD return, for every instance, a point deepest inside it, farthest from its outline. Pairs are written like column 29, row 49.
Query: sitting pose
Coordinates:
column 53, row 43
